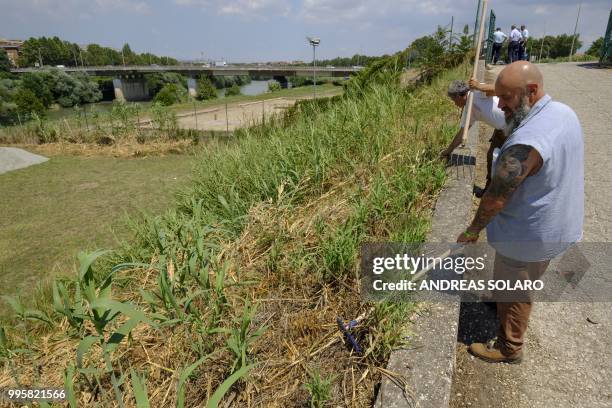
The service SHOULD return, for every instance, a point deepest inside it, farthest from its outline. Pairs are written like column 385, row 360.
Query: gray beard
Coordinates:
column 517, row 117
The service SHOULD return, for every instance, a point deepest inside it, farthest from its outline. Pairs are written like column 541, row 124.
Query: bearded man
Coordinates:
column 534, row 207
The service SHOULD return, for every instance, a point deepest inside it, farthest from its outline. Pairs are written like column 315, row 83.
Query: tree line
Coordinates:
column 54, row 51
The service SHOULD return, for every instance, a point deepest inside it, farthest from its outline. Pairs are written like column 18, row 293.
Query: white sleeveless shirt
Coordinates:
column 545, row 214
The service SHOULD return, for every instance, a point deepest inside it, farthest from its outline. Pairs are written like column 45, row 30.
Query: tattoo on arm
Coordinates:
column 512, row 167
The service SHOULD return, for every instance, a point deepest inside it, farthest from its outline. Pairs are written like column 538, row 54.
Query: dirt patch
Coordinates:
column 239, row 115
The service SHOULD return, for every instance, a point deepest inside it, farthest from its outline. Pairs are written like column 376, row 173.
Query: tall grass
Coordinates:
column 280, row 213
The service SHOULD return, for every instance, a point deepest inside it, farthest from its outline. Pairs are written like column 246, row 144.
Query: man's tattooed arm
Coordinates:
column 512, row 167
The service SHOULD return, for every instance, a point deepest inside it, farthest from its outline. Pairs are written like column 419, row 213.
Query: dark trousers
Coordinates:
column 513, row 51
column 521, row 52
column 496, row 51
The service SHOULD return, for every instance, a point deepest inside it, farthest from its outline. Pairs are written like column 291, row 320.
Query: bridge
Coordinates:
column 129, row 82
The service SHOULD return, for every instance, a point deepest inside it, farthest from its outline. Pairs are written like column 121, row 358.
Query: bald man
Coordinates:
column 534, row 208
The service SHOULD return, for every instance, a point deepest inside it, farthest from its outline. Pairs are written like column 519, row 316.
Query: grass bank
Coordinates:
column 53, row 210
column 233, row 294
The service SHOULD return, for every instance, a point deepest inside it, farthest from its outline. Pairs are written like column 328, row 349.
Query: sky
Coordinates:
column 275, row 30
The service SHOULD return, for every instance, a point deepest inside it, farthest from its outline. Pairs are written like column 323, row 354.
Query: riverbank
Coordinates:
column 129, row 124
column 236, row 289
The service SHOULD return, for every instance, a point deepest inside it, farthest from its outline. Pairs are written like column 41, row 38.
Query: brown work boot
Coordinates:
column 491, row 353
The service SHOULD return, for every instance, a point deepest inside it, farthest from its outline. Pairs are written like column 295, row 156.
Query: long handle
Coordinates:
column 468, row 114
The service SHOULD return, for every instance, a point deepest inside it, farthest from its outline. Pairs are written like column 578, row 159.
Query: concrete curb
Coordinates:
column 429, row 362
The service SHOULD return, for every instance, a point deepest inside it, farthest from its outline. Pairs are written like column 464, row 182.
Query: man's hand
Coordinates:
column 474, row 84
column 445, row 155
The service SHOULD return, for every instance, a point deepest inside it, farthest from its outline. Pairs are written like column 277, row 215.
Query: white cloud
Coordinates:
column 540, row 10
column 333, row 11
column 68, row 9
column 123, row 5
column 255, row 7
column 244, row 8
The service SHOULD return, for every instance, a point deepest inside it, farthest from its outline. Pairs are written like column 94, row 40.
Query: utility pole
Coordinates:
column 542, row 44
column 314, row 42
column 575, row 28
column 476, row 24
column 450, row 35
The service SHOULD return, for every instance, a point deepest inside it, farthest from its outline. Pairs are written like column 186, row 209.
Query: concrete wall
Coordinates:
column 131, row 89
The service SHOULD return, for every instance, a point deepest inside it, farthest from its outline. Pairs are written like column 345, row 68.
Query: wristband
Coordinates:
column 470, row 234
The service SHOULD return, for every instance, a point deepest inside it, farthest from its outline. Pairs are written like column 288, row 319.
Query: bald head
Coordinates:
column 519, row 86
column 521, row 74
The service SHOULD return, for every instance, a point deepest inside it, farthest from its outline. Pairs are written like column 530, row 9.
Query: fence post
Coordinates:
column 489, row 56
column 606, row 48
column 226, row 120
column 195, row 115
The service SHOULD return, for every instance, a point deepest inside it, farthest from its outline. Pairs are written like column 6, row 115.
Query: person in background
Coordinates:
column 513, row 45
column 498, row 39
column 523, row 43
column 485, row 109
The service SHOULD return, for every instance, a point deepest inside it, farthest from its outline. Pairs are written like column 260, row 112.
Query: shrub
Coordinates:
column 206, row 89
column 233, row 90
column 156, row 81
column 170, row 94
column 274, row 86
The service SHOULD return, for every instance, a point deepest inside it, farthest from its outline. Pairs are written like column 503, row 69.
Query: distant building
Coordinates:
column 12, row 48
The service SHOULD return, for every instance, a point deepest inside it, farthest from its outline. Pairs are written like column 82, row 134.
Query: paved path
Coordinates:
column 12, row 158
column 568, row 360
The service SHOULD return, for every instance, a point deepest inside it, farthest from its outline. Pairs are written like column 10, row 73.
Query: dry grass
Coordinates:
column 292, row 253
column 125, row 149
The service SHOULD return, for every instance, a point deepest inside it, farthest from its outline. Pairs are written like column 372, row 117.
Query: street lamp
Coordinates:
column 314, row 42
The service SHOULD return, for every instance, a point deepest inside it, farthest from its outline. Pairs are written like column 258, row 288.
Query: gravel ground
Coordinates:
column 568, row 361
column 12, row 158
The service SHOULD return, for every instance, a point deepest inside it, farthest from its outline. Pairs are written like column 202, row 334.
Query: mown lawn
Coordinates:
column 71, row 203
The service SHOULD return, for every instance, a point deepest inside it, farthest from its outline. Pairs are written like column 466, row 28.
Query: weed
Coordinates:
column 319, row 388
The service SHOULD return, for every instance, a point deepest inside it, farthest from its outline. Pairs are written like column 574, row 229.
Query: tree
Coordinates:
column 156, row 81
column 556, row 46
column 38, row 84
column 596, row 47
column 5, row 63
column 233, row 90
column 466, row 41
column 128, row 55
column 27, row 103
column 206, row 90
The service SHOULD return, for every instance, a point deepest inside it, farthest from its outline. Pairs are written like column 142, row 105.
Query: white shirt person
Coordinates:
column 515, row 35
column 499, row 37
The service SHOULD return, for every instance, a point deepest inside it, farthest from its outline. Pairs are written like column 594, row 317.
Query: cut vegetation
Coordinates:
column 232, row 296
